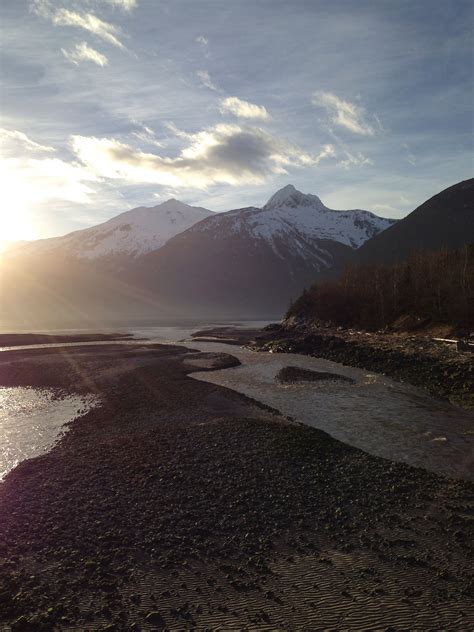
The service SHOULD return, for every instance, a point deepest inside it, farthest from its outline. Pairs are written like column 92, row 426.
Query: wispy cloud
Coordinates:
column 89, row 22
column 13, row 142
column 148, row 136
column 243, row 109
column 125, row 5
column 409, row 156
column 354, row 160
column 206, row 80
column 84, row 52
column 202, row 40
column 344, row 113
column 229, row 154
column 42, row 8
column 45, row 8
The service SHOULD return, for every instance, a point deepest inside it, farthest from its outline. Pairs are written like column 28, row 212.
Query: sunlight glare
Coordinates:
column 15, row 216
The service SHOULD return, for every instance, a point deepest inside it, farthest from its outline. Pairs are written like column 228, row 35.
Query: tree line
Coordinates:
column 429, row 286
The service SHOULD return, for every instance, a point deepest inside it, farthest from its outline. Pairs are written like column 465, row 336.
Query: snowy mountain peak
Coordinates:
column 289, row 197
column 172, row 203
column 297, row 219
column 132, row 233
column 170, row 207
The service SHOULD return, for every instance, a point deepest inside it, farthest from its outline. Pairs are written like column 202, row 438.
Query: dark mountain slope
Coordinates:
column 251, row 262
column 228, row 274
column 445, row 220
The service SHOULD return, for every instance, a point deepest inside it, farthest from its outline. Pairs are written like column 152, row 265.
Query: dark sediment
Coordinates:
column 294, row 374
column 16, row 340
column 228, row 335
column 178, row 504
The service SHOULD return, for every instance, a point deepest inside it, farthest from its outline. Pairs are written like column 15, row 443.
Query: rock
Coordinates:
column 293, row 374
column 155, row 618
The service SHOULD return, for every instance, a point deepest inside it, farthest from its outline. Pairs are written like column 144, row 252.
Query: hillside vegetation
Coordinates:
column 435, row 287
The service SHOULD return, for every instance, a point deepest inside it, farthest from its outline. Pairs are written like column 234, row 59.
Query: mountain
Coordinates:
column 253, row 261
column 174, row 260
column 81, row 279
column 289, row 210
column 445, row 220
column 130, row 234
column 6, row 245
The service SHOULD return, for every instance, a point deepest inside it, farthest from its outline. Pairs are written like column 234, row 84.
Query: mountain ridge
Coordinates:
column 245, row 262
column 131, row 233
column 255, row 259
column 444, row 220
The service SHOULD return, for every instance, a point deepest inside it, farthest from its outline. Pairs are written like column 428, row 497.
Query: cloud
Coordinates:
column 354, row 160
column 344, row 113
column 148, row 136
column 206, row 80
column 229, row 154
column 35, row 178
column 243, row 109
column 43, row 8
column 29, row 180
column 410, row 156
column 13, row 142
column 328, row 151
column 84, row 52
column 202, row 40
column 125, row 5
column 47, row 8
column 86, row 21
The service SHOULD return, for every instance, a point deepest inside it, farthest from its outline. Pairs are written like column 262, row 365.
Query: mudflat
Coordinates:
column 177, row 504
column 16, row 340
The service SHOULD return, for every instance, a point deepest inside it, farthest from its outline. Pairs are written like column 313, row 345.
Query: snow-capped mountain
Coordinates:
column 295, row 217
column 130, row 234
column 253, row 260
column 175, row 260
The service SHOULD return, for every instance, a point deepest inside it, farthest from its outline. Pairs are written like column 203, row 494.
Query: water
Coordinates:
column 382, row 417
column 31, row 420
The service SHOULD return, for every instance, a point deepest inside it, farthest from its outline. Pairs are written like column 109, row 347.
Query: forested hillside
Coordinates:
column 435, row 287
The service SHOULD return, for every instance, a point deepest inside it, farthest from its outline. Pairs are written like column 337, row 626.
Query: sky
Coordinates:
column 111, row 104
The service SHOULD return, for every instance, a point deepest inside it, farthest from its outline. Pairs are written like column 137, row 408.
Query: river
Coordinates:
column 374, row 413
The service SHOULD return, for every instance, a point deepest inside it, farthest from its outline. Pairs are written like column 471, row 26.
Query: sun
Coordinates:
column 16, row 221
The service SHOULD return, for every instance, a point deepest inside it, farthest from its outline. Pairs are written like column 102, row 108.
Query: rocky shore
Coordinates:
column 182, row 505
column 419, row 360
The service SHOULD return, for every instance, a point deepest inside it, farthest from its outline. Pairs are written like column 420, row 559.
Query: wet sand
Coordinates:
column 17, row 340
column 180, row 504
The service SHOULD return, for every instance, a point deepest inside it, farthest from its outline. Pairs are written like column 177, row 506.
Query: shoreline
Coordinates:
column 439, row 369
column 23, row 339
column 178, row 504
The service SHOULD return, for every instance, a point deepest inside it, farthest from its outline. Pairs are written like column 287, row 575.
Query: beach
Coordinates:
column 179, row 504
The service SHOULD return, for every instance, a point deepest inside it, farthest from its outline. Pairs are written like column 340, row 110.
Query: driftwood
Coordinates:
column 461, row 345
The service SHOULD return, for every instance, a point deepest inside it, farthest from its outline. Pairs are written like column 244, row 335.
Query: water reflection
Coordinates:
column 31, row 420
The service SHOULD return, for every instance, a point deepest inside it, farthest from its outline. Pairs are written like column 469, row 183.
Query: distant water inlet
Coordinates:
column 31, row 420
